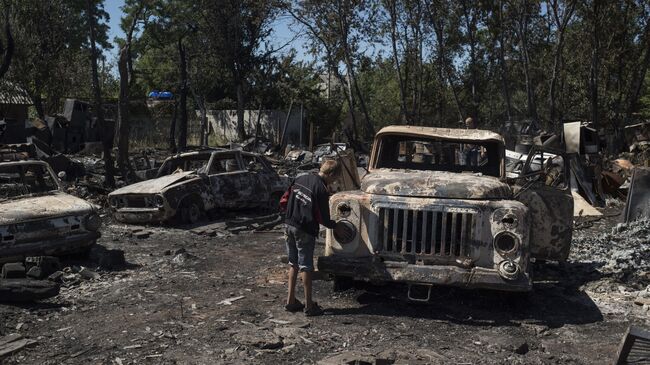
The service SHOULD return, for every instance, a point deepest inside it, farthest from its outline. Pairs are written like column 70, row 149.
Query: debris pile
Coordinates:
column 622, row 255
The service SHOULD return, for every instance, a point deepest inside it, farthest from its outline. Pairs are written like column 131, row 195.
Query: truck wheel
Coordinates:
column 342, row 283
column 190, row 211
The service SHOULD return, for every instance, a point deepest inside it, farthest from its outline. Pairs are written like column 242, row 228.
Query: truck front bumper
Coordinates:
column 374, row 270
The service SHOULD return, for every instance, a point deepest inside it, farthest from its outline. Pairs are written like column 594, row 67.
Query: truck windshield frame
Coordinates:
column 423, row 153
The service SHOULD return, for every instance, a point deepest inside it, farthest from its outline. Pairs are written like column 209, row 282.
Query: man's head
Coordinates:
column 330, row 170
column 470, row 123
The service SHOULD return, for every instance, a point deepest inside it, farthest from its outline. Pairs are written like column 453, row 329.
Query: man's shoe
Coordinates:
column 314, row 310
column 294, row 307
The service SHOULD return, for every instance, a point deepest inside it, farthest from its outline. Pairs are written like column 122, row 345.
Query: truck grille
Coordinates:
column 425, row 232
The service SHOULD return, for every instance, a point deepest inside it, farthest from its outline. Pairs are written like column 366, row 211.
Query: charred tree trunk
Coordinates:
column 107, row 138
column 595, row 67
column 182, row 126
column 200, row 102
column 522, row 30
column 561, row 23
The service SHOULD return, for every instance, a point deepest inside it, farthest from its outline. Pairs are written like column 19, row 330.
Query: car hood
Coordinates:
column 42, row 207
column 434, row 184
column 154, row 186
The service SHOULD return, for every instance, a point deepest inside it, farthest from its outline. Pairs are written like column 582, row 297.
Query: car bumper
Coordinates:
column 142, row 215
column 372, row 269
column 53, row 247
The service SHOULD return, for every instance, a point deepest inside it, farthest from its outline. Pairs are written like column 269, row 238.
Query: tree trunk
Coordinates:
column 392, row 11
column 107, row 138
column 182, row 126
column 595, row 68
column 9, row 50
column 241, row 129
column 123, row 116
column 172, row 130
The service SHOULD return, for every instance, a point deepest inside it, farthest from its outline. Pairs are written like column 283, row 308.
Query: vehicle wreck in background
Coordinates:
column 36, row 216
column 194, row 183
column 436, row 208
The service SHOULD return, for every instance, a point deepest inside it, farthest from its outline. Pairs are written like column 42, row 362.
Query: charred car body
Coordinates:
column 436, row 209
column 36, row 216
column 190, row 184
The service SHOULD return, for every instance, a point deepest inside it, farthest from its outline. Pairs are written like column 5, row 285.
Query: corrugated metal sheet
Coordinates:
column 11, row 93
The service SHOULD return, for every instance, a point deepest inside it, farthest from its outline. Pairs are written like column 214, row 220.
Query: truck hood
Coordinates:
column 42, row 207
column 153, row 186
column 434, row 184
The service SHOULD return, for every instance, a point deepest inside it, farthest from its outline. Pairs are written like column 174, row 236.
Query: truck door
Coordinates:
column 544, row 187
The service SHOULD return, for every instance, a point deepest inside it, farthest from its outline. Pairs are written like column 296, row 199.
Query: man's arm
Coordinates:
column 322, row 209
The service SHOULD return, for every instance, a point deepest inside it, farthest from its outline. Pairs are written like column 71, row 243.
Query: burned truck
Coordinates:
column 436, row 208
column 191, row 184
column 36, row 216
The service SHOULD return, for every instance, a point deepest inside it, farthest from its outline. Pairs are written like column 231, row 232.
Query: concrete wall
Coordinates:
column 224, row 124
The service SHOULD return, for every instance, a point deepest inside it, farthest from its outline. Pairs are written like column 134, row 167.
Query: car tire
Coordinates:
column 273, row 205
column 190, row 211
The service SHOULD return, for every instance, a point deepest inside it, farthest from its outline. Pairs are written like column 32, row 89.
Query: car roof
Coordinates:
column 446, row 133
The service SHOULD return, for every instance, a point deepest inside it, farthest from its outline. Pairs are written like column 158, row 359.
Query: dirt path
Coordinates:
column 168, row 308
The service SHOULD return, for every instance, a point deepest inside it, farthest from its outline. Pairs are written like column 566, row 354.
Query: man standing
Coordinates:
column 308, row 206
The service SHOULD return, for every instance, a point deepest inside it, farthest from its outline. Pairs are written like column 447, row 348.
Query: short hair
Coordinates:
column 330, row 168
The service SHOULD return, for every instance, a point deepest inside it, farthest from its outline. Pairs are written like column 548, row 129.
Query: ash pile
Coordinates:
column 621, row 256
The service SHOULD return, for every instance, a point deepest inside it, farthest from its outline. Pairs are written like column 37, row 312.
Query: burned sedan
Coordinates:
column 37, row 217
column 194, row 183
column 436, row 209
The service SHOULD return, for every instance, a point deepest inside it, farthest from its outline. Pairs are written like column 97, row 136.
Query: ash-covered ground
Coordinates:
column 185, row 298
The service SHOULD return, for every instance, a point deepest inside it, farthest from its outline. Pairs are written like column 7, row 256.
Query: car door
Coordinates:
column 226, row 179
column 544, row 187
column 257, row 179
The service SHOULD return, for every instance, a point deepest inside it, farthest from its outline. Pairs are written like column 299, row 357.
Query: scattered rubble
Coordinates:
column 622, row 255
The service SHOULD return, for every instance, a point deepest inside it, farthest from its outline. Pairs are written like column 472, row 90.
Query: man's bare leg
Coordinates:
column 293, row 275
column 306, row 282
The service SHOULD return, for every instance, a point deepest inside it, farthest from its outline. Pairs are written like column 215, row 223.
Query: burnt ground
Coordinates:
column 166, row 307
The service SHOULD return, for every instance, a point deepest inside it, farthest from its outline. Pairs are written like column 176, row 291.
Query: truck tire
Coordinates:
column 26, row 290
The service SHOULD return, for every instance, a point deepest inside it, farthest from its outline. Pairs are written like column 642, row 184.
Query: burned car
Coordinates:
column 194, row 183
column 36, row 216
column 436, row 208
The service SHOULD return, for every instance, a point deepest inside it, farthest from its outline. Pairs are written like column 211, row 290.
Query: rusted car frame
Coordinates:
column 45, row 222
column 446, row 224
column 215, row 180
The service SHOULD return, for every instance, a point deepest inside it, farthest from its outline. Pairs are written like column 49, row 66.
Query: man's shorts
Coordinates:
column 300, row 248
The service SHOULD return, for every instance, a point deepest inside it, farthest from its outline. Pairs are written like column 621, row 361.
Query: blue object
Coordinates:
column 165, row 95
column 154, row 94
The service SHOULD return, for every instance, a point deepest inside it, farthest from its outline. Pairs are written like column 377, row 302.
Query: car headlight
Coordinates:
column 345, row 232
column 506, row 243
column 159, row 200
column 93, row 222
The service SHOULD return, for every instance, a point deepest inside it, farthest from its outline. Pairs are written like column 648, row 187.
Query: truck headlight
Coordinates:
column 113, row 201
column 344, row 232
column 505, row 243
column 343, row 209
column 93, row 222
column 159, row 200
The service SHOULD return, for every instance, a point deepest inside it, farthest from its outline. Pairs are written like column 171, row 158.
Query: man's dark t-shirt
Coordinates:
column 308, row 204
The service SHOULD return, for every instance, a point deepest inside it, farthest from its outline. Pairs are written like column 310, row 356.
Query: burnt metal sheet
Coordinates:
column 446, row 133
column 638, row 199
